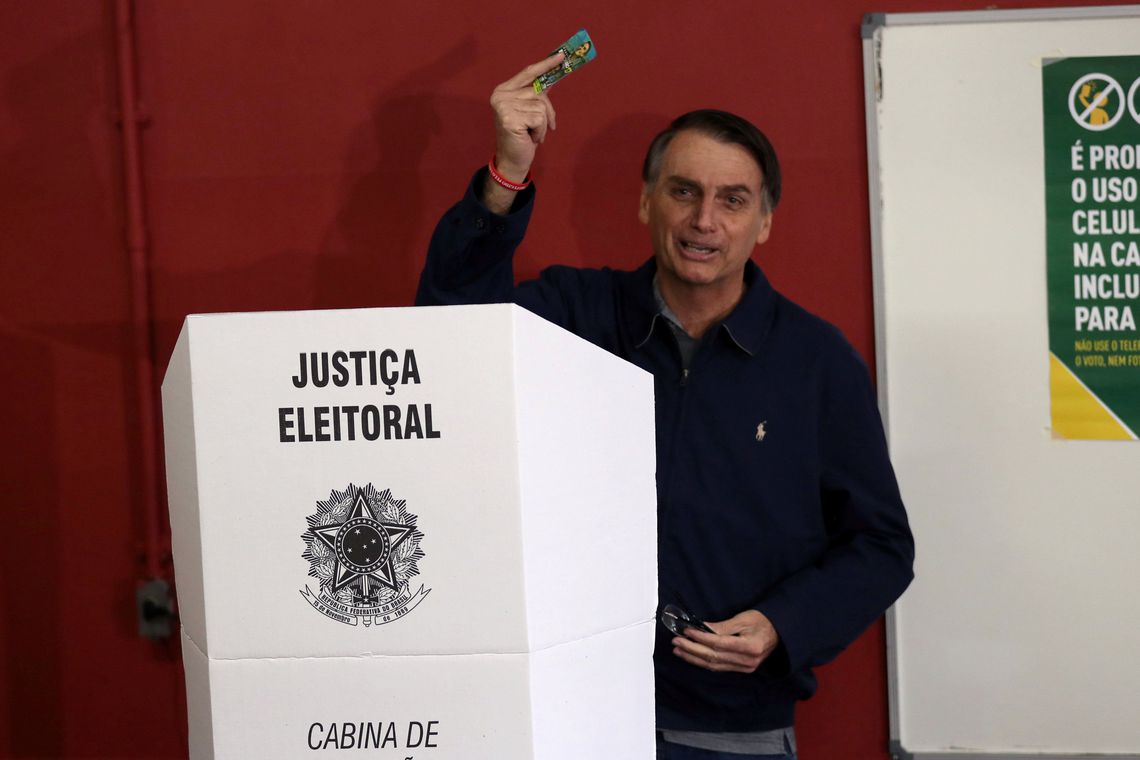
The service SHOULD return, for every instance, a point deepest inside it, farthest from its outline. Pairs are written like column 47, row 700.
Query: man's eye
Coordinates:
column 734, row 201
column 682, row 192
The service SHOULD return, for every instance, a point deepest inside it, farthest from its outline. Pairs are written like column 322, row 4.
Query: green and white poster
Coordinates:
column 1092, row 179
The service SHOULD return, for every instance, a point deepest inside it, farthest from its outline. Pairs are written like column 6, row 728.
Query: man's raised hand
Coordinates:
column 522, row 117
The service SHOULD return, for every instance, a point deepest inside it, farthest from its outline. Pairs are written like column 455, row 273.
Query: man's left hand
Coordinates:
column 738, row 645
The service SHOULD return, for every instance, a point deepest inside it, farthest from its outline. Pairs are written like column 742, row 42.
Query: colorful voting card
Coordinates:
column 577, row 51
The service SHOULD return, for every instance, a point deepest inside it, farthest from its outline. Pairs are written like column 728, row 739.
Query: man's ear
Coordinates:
column 643, row 205
column 765, row 228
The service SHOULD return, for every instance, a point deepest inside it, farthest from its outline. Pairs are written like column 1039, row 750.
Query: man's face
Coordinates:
column 704, row 212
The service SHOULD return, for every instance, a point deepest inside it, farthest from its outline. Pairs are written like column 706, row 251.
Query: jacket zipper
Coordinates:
column 678, row 423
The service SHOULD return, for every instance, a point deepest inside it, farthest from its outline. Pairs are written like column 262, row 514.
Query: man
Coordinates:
column 779, row 518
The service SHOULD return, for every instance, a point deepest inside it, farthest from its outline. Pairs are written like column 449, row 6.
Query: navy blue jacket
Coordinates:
column 803, row 523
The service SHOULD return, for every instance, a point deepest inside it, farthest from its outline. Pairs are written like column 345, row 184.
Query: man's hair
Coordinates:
column 724, row 127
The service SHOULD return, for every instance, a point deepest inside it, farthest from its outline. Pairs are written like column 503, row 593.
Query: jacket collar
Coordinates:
column 746, row 327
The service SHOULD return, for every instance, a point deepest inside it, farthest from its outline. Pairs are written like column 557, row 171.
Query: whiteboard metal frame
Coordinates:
column 872, row 91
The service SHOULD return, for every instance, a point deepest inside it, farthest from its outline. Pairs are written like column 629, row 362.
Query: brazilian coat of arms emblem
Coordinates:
column 363, row 547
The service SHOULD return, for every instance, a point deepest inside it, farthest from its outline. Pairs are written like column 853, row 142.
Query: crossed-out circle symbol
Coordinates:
column 1132, row 107
column 1084, row 117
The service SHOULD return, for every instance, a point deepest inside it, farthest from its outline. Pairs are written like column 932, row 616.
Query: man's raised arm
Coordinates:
column 469, row 258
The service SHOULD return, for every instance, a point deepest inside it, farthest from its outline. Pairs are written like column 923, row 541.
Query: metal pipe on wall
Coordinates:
column 141, row 311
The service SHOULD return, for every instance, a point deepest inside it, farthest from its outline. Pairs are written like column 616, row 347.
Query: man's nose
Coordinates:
column 702, row 219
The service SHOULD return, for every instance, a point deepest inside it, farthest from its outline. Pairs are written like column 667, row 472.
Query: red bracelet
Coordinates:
column 499, row 178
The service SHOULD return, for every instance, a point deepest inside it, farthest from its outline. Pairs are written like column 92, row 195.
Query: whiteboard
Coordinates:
column 1020, row 635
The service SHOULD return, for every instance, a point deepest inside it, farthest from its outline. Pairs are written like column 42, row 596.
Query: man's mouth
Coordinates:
column 696, row 249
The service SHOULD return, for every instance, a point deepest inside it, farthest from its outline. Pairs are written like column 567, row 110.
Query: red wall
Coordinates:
column 297, row 156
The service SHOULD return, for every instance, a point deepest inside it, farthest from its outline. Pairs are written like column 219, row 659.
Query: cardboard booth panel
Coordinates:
column 593, row 698
column 181, row 453
column 259, row 484
column 405, row 481
column 587, row 457
column 588, row 698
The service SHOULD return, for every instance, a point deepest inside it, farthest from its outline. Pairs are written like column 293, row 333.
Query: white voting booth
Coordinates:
column 413, row 533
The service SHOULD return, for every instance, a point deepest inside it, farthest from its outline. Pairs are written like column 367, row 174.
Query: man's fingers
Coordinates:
column 733, row 647
column 702, row 637
column 549, row 110
column 720, row 641
column 741, row 645
column 531, row 72
column 538, row 133
column 710, row 658
column 694, row 654
column 700, row 651
column 526, row 119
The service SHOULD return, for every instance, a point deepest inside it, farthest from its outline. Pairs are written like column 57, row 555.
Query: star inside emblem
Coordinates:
column 363, row 547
